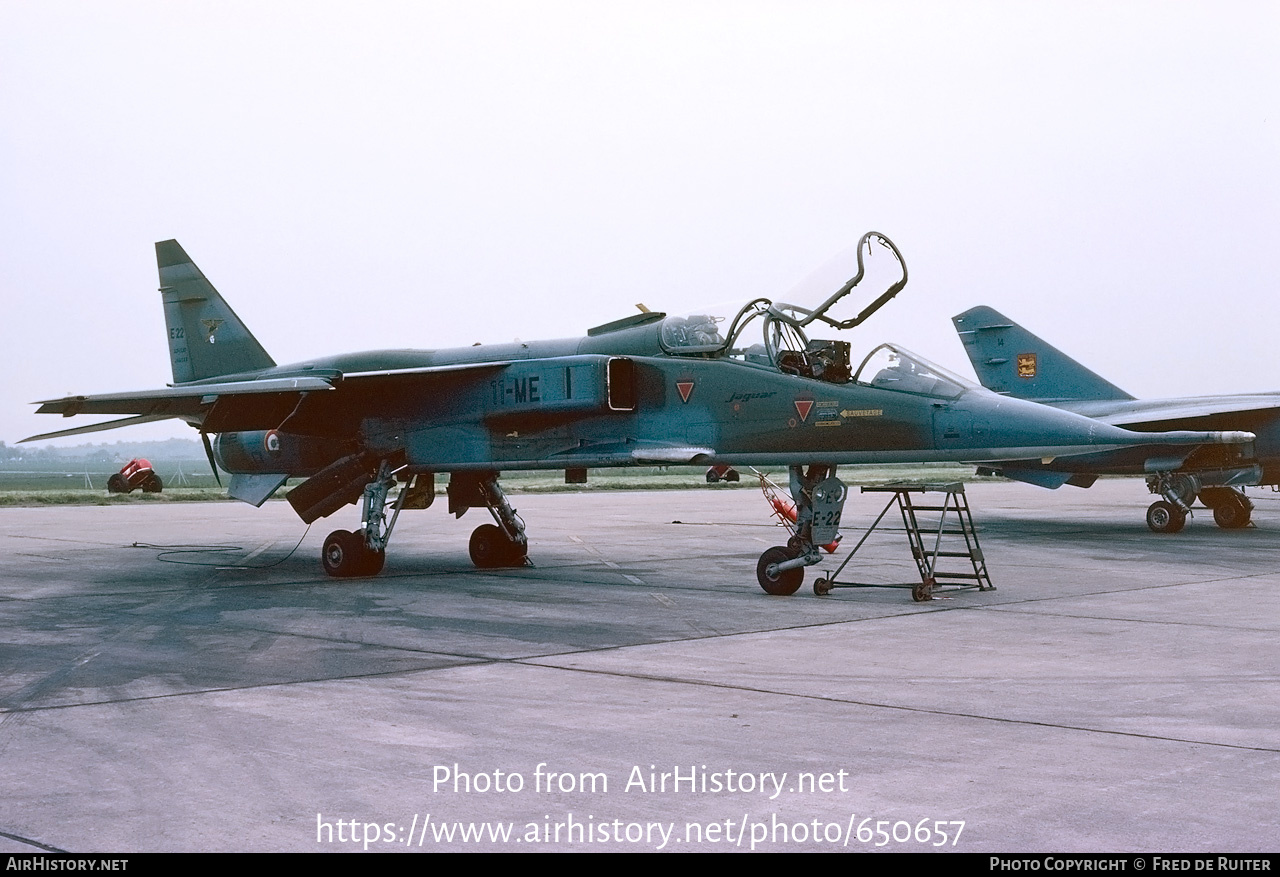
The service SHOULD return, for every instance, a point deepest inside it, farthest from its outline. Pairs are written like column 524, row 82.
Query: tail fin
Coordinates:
column 1010, row 360
column 206, row 338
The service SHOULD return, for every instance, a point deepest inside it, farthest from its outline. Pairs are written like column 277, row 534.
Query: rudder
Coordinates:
column 1010, row 360
column 206, row 338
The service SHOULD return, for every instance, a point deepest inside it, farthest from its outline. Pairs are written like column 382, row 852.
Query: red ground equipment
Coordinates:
column 721, row 473
column 136, row 474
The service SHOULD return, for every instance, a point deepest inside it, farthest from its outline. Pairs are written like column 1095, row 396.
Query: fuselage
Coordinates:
column 619, row 398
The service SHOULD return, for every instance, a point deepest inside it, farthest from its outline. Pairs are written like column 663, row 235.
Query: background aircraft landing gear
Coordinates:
column 1169, row 515
column 1232, row 510
column 1165, row 517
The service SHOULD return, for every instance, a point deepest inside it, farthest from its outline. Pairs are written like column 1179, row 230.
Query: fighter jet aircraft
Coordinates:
column 742, row 386
column 1012, row 361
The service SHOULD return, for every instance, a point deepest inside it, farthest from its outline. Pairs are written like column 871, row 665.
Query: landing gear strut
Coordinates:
column 819, row 497
column 1179, row 491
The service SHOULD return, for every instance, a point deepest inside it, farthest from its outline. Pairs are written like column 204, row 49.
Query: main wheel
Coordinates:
column 783, row 583
column 1165, row 517
column 1212, row 497
column 371, row 562
column 491, row 549
column 343, row 554
column 1233, row 515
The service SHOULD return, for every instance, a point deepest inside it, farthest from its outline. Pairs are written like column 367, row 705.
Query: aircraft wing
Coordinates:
column 97, row 427
column 191, row 402
column 1147, row 412
column 176, row 401
column 218, row 406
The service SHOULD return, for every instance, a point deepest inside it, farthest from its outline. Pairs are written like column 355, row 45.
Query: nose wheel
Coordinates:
column 779, row 583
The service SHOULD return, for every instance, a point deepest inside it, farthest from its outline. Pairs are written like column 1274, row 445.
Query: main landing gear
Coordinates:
column 1232, row 510
column 348, row 554
column 819, row 497
column 500, row 544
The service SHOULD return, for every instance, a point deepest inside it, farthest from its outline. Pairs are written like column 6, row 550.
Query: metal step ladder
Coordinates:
column 939, row 536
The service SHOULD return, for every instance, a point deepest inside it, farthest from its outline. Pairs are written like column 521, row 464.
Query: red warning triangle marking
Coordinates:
column 685, row 388
column 802, row 408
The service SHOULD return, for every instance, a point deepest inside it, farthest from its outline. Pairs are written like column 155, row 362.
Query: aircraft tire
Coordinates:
column 343, row 554
column 784, row 583
column 1212, row 497
column 371, row 562
column 1165, row 517
column 1233, row 515
column 491, row 549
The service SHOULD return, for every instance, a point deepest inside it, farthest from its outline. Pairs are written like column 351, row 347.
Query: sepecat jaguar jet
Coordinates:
column 738, row 386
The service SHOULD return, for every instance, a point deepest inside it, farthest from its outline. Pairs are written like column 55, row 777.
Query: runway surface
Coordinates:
column 1119, row 691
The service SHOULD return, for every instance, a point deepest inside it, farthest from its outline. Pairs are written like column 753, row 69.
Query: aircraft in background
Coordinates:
column 1012, row 361
column 744, row 386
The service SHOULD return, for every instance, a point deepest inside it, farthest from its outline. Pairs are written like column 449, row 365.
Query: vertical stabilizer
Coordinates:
column 206, row 338
column 1010, row 360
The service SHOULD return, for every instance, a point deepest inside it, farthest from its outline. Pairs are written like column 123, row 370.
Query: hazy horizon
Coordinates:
column 432, row 175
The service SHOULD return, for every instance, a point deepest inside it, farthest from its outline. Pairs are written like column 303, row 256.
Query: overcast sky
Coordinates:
column 368, row 175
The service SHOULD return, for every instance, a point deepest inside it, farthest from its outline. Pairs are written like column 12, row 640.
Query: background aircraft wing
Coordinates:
column 1147, row 413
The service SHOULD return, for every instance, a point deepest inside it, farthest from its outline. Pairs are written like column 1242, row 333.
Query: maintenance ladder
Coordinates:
column 932, row 540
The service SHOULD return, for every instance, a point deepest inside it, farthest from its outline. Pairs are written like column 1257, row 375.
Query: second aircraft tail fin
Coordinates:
column 206, row 338
column 1010, row 360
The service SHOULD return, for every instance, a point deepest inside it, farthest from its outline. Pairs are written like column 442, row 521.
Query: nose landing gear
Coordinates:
column 819, row 500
